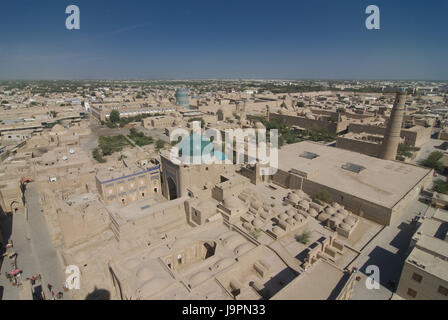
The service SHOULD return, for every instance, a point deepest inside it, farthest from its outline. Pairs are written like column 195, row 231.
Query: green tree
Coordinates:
column 114, row 116
column 304, row 237
column 160, row 144
column 440, row 186
column 433, row 161
column 323, row 195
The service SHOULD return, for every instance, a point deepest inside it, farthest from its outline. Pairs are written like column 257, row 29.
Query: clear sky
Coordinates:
column 145, row 39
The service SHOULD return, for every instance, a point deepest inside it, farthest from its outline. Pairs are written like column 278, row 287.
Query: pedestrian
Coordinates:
column 49, row 287
column 59, row 295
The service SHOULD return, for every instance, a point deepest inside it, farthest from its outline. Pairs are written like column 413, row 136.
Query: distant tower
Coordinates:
column 267, row 113
column 182, row 98
column 392, row 136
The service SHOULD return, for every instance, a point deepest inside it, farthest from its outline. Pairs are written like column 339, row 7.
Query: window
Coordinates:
column 417, row 277
column 443, row 290
column 352, row 167
column 412, row 293
column 308, row 155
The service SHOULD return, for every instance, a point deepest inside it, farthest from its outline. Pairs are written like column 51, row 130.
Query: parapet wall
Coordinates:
column 361, row 146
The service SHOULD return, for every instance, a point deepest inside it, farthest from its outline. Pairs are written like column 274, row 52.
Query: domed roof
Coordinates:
column 247, row 226
column 57, row 128
column 313, row 212
column 198, row 278
column 291, row 212
column 233, row 203
column 336, row 205
column 283, row 216
column 181, row 243
column 132, row 263
column 205, row 205
column 290, row 221
column 343, row 212
column 255, row 204
column 152, row 286
column 242, row 248
column 330, row 210
column 257, row 223
column 144, row 273
column 350, row 220
column 345, row 226
column 336, row 219
column 298, row 217
column 323, row 216
column 259, row 125
column 276, row 229
column 293, row 197
column 223, row 263
column 304, row 204
column 249, row 217
column 159, row 252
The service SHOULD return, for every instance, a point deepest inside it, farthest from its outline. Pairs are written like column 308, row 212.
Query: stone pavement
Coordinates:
column 388, row 250
column 36, row 253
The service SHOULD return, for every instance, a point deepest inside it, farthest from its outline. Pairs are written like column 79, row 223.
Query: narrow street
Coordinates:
column 36, row 254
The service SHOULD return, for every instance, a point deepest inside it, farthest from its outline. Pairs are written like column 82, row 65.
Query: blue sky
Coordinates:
column 145, row 39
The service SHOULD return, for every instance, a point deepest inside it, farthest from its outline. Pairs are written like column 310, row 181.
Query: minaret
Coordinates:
column 267, row 113
column 392, row 137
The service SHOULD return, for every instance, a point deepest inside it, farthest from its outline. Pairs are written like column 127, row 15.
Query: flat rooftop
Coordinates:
column 382, row 182
column 429, row 263
column 322, row 281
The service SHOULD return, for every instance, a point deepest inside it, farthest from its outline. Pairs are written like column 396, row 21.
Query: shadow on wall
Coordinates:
column 98, row 294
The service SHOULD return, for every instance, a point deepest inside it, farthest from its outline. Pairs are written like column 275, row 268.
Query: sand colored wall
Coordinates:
column 427, row 289
column 361, row 146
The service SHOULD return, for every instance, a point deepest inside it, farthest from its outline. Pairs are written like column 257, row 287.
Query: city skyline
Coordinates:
column 234, row 40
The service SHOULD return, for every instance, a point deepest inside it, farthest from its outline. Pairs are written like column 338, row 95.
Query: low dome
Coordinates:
column 304, row 204
column 336, row 205
column 198, row 278
column 291, row 212
column 247, row 226
column 204, row 206
column 323, row 217
column 181, row 243
column 257, row 223
column 350, row 220
column 144, row 273
column 152, row 286
column 233, row 203
column 223, row 263
column 132, row 263
column 293, row 197
column 330, row 210
column 336, row 219
column 345, row 226
column 255, row 204
column 276, row 230
column 242, row 248
column 259, row 125
column 283, row 216
column 298, row 217
column 313, row 212
column 290, row 221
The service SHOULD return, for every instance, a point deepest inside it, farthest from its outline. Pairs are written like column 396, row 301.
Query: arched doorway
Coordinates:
column 15, row 206
column 172, row 189
column 220, row 115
